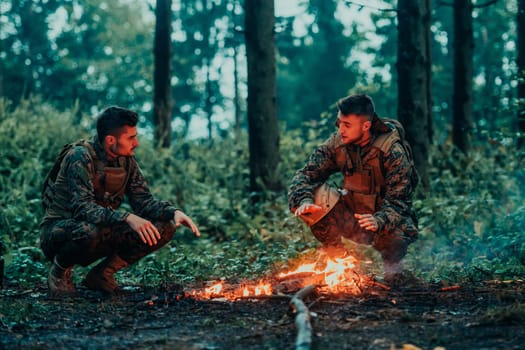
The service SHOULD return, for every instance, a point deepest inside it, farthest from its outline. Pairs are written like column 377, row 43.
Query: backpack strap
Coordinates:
column 384, row 142
column 398, row 128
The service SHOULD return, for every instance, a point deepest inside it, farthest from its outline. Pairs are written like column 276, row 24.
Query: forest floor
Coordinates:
column 482, row 315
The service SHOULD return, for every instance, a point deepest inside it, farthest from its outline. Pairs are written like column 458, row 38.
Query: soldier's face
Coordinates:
column 124, row 144
column 353, row 128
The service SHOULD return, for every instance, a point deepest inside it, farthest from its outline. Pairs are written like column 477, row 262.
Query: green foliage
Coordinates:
column 89, row 51
column 471, row 224
column 28, row 266
column 30, row 137
column 319, row 66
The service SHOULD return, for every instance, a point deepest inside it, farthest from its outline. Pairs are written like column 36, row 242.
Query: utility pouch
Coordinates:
column 360, row 203
column 110, row 185
column 364, row 203
column 359, row 181
column 114, row 179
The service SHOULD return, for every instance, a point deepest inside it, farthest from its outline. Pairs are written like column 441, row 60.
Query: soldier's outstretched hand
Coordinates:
column 307, row 208
column 182, row 219
column 147, row 232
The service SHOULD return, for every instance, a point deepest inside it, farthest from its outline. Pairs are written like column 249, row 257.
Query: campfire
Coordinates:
column 330, row 274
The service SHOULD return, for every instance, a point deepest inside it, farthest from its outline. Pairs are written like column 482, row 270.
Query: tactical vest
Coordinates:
column 364, row 180
column 109, row 183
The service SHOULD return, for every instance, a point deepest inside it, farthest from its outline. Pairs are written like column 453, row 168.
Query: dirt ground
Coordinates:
column 487, row 315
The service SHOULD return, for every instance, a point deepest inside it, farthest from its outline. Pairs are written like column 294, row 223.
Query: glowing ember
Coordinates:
column 220, row 290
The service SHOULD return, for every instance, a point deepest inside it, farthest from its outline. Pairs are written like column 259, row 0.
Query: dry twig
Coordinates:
column 302, row 320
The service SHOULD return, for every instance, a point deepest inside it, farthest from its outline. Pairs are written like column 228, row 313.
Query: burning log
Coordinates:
column 294, row 283
column 302, row 320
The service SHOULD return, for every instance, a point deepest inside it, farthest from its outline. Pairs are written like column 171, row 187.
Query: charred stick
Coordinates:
column 380, row 285
column 302, row 320
column 450, row 288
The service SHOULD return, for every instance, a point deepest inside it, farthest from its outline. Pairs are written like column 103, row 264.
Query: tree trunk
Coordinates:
column 463, row 67
column 262, row 110
column 162, row 102
column 521, row 70
column 208, row 55
column 237, row 96
column 414, row 79
column 208, row 105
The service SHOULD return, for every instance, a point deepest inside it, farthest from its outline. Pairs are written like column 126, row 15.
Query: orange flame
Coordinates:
column 213, row 290
column 335, row 274
column 331, row 275
column 220, row 290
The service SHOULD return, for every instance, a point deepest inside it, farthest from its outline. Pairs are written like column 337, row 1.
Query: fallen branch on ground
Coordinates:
column 302, row 320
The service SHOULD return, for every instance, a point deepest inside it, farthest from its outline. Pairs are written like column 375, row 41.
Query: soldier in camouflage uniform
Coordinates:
column 374, row 204
column 82, row 223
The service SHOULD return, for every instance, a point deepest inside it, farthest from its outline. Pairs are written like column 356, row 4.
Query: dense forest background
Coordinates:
column 62, row 61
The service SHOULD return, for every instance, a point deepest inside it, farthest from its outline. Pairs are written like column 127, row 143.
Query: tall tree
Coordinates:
column 521, row 71
column 162, row 75
column 262, row 112
column 26, row 50
column 463, row 68
column 234, row 41
column 414, row 79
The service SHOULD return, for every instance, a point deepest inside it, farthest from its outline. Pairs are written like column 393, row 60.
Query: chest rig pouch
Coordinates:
column 110, row 182
column 363, row 180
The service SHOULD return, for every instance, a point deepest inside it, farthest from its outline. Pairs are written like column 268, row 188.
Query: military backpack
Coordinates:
column 109, row 182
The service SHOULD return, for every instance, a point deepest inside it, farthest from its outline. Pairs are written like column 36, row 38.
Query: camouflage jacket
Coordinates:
column 396, row 206
column 73, row 194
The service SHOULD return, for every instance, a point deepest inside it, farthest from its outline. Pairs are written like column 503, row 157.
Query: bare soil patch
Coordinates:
column 488, row 315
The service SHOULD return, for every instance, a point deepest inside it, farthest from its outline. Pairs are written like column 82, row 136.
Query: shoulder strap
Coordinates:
column 399, row 130
column 385, row 141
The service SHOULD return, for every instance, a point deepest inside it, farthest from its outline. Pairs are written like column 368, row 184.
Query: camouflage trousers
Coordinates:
column 82, row 243
column 340, row 222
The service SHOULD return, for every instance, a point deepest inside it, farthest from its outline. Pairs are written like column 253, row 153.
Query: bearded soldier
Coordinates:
column 374, row 204
column 82, row 196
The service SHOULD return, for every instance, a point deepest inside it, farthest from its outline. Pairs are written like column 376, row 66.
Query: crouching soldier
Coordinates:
column 374, row 204
column 81, row 197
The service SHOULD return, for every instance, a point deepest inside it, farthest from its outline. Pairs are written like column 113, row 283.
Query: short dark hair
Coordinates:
column 112, row 119
column 358, row 104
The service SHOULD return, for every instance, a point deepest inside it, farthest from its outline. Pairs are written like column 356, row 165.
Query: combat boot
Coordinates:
column 101, row 277
column 59, row 281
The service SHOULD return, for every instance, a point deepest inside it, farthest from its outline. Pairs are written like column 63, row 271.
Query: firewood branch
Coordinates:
column 302, row 319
